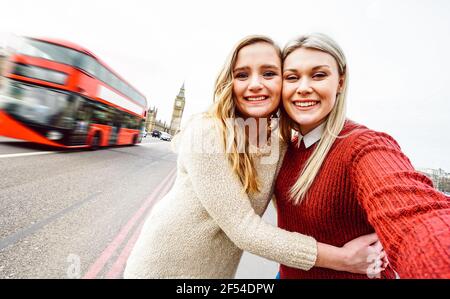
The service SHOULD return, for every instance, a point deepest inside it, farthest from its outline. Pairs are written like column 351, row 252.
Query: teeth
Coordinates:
column 257, row 99
column 304, row 104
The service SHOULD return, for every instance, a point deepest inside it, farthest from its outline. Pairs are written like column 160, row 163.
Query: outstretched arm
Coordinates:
column 411, row 218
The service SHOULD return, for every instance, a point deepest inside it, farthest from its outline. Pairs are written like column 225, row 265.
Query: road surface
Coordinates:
column 76, row 214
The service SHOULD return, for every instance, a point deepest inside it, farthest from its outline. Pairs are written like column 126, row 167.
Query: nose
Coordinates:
column 255, row 83
column 304, row 87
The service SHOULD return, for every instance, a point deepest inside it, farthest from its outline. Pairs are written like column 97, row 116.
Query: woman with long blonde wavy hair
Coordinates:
column 340, row 179
column 227, row 162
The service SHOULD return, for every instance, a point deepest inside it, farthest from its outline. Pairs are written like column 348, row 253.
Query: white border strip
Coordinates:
column 112, row 97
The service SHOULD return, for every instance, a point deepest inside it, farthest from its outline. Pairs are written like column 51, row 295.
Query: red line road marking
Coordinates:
column 119, row 265
column 98, row 265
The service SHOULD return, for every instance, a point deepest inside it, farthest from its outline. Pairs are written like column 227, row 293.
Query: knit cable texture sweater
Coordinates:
column 199, row 229
column 367, row 184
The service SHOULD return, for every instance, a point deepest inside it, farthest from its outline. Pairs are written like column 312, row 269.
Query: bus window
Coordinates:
column 99, row 114
column 103, row 74
column 40, row 49
column 90, row 65
column 83, row 115
column 136, row 123
column 116, row 83
column 65, row 118
column 126, row 121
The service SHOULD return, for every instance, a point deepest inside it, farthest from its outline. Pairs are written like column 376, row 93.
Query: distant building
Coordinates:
column 440, row 178
column 177, row 114
column 152, row 123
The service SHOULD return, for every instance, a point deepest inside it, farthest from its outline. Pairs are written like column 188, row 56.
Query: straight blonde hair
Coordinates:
column 334, row 122
column 224, row 109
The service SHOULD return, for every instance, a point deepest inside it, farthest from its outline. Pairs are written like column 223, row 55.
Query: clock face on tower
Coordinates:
column 178, row 104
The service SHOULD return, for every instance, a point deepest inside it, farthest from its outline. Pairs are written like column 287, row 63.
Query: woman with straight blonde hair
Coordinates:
column 227, row 164
column 340, row 179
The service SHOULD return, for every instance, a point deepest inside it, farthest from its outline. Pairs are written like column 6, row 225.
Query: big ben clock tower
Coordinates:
column 178, row 108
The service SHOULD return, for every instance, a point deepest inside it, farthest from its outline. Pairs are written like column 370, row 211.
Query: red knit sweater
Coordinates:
column 366, row 183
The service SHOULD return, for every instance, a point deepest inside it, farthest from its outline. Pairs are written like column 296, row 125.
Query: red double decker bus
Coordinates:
column 60, row 94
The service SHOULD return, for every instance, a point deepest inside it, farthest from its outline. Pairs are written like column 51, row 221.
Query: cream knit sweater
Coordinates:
column 199, row 229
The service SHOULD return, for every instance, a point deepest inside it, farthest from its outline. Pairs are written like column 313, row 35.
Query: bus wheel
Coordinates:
column 135, row 140
column 95, row 142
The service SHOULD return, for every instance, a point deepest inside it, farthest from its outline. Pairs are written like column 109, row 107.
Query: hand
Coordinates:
column 364, row 255
column 383, row 256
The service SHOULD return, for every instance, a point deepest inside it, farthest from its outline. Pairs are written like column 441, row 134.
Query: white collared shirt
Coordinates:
column 311, row 137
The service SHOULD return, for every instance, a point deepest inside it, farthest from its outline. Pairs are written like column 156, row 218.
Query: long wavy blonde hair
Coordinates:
column 224, row 110
column 334, row 122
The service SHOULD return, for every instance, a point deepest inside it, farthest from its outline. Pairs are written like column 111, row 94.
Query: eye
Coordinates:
column 320, row 75
column 241, row 75
column 269, row 74
column 291, row 77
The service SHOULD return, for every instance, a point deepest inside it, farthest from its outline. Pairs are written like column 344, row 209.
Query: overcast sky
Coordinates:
column 398, row 52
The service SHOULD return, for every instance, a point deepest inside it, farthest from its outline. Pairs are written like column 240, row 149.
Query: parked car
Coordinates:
column 165, row 136
column 156, row 133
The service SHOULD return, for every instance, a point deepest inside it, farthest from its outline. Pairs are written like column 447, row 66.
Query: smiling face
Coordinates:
column 257, row 80
column 311, row 82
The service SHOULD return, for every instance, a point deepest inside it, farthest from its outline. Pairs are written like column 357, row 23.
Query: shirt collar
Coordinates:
column 311, row 137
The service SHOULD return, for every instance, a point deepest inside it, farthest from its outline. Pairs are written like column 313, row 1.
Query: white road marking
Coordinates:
column 46, row 153
column 149, row 143
column 25, row 154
